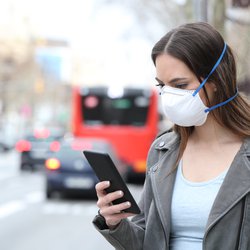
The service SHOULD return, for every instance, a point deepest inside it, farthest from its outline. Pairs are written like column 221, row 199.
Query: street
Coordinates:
column 29, row 222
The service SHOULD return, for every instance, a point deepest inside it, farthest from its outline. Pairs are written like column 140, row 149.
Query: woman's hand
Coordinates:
column 112, row 213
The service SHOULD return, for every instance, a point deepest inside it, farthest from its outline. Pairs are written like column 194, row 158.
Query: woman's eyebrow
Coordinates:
column 172, row 81
column 178, row 79
column 159, row 81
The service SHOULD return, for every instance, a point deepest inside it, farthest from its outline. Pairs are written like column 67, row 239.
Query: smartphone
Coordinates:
column 106, row 170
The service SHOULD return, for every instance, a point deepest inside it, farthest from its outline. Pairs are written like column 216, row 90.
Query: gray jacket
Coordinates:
column 228, row 225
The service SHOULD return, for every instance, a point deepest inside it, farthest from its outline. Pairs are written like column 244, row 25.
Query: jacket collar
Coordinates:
column 167, row 141
column 235, row 185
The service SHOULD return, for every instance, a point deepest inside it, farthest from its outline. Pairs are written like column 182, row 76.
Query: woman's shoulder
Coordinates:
column 165, row 140
column 162, row 143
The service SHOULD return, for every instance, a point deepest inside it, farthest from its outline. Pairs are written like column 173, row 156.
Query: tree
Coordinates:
column 154, row 15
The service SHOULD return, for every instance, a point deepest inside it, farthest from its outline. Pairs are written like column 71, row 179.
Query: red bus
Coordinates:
column 127, row 117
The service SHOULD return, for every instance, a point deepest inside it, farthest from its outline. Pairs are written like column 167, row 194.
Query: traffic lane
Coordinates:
column 22, row 186
column 54, row 227
column 28, row 224
column 28, row 221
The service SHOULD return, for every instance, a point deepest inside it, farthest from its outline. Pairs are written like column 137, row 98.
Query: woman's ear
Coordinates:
column 212, row 87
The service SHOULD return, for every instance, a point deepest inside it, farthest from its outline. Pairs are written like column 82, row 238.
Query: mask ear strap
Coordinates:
column 211, row 72
column 222, row 103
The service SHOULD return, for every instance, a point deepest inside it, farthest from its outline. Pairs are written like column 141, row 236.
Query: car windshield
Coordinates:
column 66, row 151
column 40, row 139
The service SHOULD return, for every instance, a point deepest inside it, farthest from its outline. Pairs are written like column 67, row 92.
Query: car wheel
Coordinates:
column 48, row 194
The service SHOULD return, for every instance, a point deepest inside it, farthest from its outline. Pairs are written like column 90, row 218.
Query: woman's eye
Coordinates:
column 181, row 85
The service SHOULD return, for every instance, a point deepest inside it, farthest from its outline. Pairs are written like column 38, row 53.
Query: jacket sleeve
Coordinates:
column 134, row 230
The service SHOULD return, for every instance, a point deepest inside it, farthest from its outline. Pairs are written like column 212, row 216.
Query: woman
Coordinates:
column 197, row 188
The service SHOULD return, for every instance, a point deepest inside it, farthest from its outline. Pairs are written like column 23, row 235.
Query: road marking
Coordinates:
column 48, row 207
column 5, row 176
column 35, row 197
column 76, row 209
column 57, row 209
column 11, row 208
column 15, row 206
column 69, row 209
column 91, row 210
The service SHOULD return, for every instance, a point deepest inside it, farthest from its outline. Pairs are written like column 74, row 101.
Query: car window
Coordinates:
column 36, row 139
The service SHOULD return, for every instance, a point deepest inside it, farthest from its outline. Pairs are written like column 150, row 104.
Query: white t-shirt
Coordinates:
column 191, row 205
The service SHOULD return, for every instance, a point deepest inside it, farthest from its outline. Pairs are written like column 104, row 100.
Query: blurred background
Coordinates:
column 77, row 75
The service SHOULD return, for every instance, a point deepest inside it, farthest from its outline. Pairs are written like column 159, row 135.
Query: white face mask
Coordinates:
column 182, row 108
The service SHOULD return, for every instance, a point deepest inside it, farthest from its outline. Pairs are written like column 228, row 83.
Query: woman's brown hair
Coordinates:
column 199, row 46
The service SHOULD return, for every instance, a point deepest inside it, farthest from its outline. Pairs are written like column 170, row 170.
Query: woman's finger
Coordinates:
column 114, row 209
column 115, row 213
column 100, row 188
column 107, row 199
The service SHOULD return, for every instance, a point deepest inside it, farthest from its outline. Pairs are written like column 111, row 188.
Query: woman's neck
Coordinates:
column 213, row 133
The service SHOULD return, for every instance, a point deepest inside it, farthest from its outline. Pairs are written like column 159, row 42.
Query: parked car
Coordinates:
column 68, row 172
column 7, row 141
column 4, row 147
column 36, row 147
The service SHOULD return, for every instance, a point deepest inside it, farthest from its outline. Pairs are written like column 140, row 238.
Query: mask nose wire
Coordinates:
column 211, row 72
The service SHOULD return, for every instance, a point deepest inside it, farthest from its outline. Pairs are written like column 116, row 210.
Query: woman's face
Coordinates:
column 172, row 72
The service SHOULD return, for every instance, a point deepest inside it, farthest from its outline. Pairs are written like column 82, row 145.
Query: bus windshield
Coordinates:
column 129, row 109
